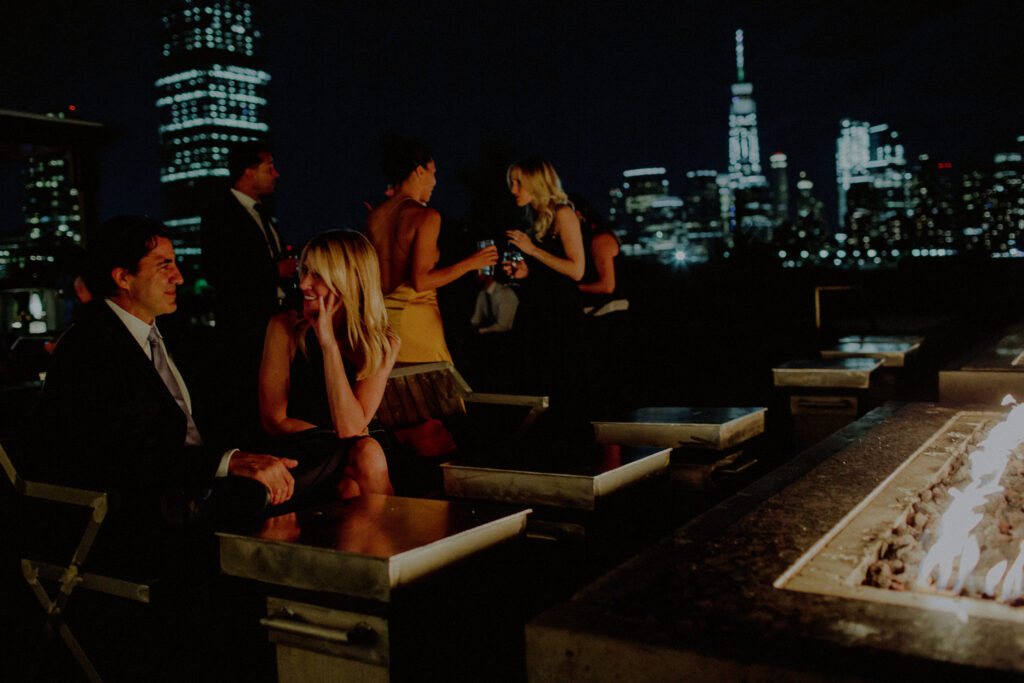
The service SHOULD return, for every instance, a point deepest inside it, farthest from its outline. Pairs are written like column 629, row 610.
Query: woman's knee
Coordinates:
column 368, row 456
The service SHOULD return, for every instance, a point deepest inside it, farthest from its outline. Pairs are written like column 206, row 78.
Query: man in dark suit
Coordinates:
column 115, row 415
column 244, row 261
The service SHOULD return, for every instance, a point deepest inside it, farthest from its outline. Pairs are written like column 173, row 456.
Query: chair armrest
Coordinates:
column 139, row 591
column 65, row 494
column 536, row 404
column 509, row 399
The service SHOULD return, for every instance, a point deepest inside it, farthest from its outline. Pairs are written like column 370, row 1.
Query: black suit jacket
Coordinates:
column 107, row 422
column 237, row 263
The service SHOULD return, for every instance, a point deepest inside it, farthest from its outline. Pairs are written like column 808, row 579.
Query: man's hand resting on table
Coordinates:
column 266, row 469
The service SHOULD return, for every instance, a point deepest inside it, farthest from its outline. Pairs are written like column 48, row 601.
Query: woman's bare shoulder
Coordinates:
column 414, row 212
column 605, row 241
column 283, row 322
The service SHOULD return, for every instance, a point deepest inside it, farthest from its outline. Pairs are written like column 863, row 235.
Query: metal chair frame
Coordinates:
column 70, row 576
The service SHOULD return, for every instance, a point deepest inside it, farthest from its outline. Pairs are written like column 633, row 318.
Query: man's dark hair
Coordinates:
column 121, row 242
column 399, row 157
column 244, row 156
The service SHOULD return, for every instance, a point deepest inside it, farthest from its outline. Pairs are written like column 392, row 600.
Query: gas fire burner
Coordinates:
column 703, row 603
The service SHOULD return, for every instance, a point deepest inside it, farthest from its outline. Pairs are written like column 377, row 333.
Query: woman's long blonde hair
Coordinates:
column 347, row 263
column 541, row 181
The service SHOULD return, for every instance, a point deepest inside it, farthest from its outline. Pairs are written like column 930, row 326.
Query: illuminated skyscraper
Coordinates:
column 744, row 147
column 875, row 200
column 703, row 216
column 993, row 206
column 870, row 157
column 53, row 215
column 645, row 213
column 54, row 208
column 750, row 208
column 212, row 95
column 780, row 182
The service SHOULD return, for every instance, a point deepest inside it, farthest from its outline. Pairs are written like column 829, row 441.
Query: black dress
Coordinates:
column 549, row 319
column 321, row 454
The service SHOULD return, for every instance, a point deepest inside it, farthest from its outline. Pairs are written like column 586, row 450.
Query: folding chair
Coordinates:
column 70, row 576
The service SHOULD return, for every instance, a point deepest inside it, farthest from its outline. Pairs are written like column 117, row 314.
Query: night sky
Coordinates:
column 596, row 87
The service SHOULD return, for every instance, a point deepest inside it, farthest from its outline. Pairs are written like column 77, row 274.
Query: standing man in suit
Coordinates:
column 243, row 259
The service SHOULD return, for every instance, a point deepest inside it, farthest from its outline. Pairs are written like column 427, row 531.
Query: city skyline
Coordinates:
column 597, row 92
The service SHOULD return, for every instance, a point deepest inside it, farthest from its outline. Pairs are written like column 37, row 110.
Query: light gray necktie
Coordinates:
column 163, row 368
column 268, row 229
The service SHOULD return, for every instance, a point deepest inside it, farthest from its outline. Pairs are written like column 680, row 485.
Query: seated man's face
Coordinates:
column 152, row 289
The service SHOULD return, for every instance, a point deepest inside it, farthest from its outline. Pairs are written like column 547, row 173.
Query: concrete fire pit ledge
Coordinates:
column 701, row 605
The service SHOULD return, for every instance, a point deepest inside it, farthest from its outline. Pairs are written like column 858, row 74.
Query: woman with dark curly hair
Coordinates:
column 404, row 232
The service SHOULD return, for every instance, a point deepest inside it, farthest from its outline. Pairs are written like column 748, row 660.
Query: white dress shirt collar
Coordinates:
column 138, row 328
column 244, row 199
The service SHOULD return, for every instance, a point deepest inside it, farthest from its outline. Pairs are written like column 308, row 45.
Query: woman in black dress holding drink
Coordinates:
column 549, row 312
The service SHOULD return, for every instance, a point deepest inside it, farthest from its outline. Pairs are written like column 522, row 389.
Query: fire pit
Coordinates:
column 947, row 523
column 705, row 602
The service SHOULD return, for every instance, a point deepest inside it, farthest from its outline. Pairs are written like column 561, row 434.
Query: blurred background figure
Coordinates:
column 245, row 260
column 496, row 305
column 490, row 354
column 405, row 233
column 82, row 296
column 604, row 312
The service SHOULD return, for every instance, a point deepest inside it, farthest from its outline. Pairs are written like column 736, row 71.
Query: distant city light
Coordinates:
column 643, row 171
column 680, row 255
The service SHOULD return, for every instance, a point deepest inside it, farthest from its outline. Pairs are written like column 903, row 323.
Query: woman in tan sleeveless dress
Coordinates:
column 404, row 232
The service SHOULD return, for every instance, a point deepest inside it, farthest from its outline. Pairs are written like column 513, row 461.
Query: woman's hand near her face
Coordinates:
column 324, row 326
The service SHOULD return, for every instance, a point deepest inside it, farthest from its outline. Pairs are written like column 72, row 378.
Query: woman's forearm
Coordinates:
column 347, row 412
column 439, row 277
column 287, row 425
column 567, row 267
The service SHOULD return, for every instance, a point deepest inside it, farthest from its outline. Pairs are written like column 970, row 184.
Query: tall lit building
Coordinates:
column 751, row 211
column 780, row 183
column 744, row 147
column 934, row 192
column 875, row 199
column 706, row 230
column 212, row 95
column 54, row 208
column 53, row 215
column 993, row 206
column 646, row 213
